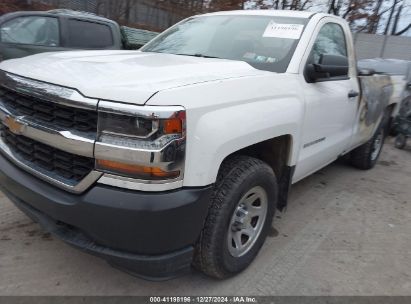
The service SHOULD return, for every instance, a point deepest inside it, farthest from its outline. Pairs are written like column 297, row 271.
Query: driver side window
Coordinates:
column 330, row 41
column 31, row 30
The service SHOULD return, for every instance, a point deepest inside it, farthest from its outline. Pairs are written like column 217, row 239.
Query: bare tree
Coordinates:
column 397, row 19
column 299, row 5
column 403, row 31
column 392, row 11
column 398, row 15
column 227, row 4
column 374, row 18
column 334, row 7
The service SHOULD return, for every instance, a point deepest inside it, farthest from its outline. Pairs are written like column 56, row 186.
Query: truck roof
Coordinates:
column 276, row 13
column 62, row 12
column 81, row 14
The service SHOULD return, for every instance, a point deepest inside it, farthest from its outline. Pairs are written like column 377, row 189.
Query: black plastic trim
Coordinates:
column 145, row 233
column 284, row 183
column 155, row 267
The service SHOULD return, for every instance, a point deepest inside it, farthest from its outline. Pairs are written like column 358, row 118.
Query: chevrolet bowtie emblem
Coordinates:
column 13, row 125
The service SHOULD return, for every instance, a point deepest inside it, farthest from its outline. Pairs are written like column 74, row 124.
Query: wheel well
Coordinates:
column 388, row 119
column 276, row 153
column 390, row 108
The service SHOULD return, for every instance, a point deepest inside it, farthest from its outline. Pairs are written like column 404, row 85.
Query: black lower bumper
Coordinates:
column 148, row 234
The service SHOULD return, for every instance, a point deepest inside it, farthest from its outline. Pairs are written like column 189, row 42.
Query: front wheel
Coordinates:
column 365, row 157
column 239, row 218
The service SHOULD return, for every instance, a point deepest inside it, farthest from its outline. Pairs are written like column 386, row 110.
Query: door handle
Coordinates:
column 353, row 94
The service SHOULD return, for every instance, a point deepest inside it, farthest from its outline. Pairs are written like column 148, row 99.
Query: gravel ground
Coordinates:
column 346, row 232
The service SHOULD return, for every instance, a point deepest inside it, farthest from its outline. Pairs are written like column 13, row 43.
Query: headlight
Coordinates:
column 143, row 142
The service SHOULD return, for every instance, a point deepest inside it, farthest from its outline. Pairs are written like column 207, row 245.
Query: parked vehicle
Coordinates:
column 400, row 72
column 403, row 124
column 179, row 154
column 28, row 33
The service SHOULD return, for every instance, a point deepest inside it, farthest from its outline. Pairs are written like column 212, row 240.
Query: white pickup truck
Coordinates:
column 178, row 155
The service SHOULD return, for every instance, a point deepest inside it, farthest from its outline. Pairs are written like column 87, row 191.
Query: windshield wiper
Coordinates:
column 199, row 55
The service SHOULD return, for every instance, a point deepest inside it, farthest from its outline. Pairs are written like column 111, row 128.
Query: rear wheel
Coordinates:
column 366, row 156
column 239, row 218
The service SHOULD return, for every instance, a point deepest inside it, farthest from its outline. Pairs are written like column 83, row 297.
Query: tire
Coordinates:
column 226, row 246
column 392, row 128
column 393, row 131
column 400, row 141
column 366, row 156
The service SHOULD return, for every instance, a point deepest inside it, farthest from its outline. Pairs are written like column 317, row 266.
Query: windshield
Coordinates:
column 265, row 42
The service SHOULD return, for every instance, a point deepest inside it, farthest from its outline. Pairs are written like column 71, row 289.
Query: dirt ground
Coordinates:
column 346, row 232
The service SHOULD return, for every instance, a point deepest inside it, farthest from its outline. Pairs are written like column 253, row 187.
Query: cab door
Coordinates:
column 331, row 103
column 26, row 35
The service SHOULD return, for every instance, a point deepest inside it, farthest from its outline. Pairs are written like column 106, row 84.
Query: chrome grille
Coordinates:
column 62, row 165
column 49, row 113
column 48, row 131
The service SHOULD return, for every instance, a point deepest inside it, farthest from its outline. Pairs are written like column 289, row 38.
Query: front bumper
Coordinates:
column 148, row 234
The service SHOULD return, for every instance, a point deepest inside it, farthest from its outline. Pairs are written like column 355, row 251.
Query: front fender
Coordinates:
column 226, row 116
column 221, row 133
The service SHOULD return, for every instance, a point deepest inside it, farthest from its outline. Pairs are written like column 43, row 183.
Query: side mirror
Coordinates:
column 366, row 72
column 329, row 66
column 409, row 85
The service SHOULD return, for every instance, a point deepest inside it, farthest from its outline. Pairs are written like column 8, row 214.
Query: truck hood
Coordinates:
column 126, row 76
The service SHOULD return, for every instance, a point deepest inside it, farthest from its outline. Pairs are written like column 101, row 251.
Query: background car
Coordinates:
column 400, row 72
column 28, row 33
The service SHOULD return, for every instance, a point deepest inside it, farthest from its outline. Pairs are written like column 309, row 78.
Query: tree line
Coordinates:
column 369, row 16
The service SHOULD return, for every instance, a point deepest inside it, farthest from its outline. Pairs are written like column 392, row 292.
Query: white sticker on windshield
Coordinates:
column 279, row 30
